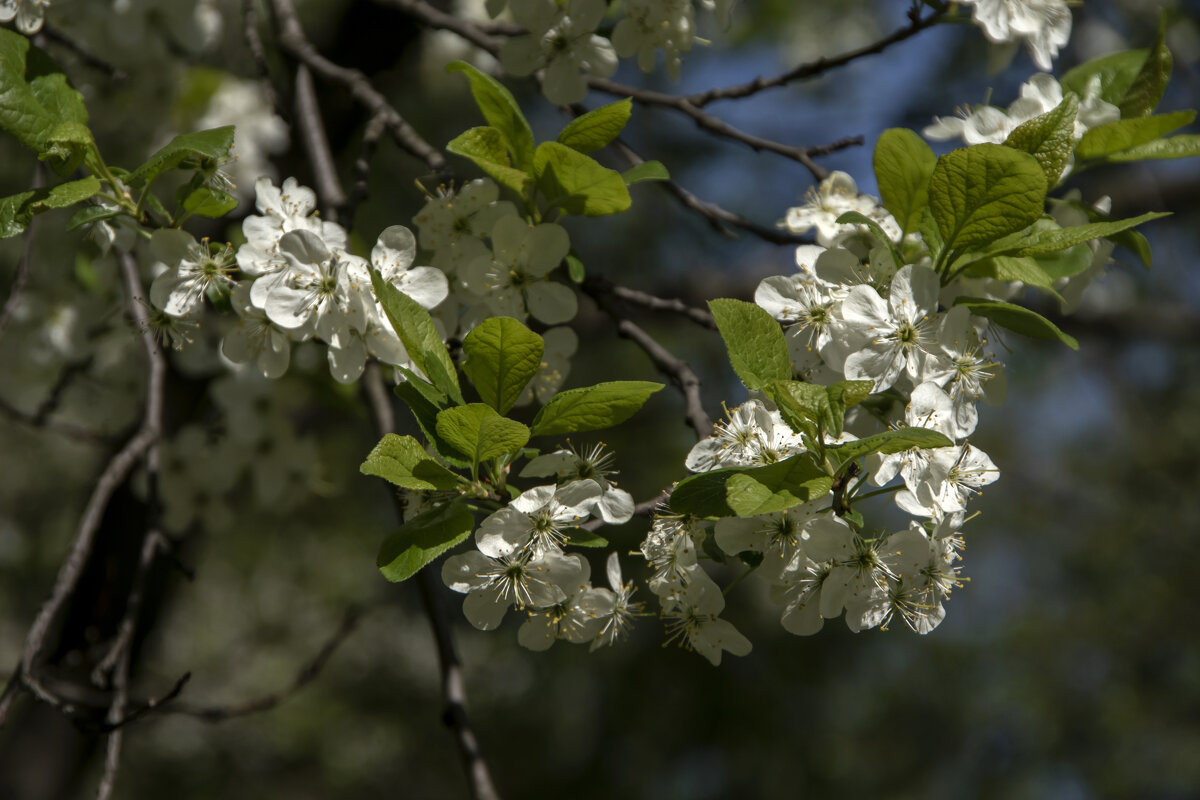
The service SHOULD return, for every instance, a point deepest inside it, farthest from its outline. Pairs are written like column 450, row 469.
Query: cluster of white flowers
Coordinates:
column 519, row 561
column 851, row 313
column 297, row 282
column 1042, row 25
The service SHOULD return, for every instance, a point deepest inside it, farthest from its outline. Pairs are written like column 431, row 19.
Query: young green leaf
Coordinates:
column 809, row 399
column 578, row 537
column 1018, row 319
column 501, row 111
column 1049, row 137
column 1052, row 240
column 645, row 171
column 403, row 461
column 590, row 408
column 757, row 347
column 422, row 399
column 1012, row 268
column 1151, row 80
column 485, row 146
column 478, row 432
column 777, row 487
column 18, row 210
column 502, row 357
column 575, row 268
column 896, row 441
column 903, row 165
column 1116, row 71
column 44, row 113
column 204, row 150
column 980, row 193
column 422, row 539
column 1115, row 137
column 1183, row 146
column 578, row 183
column 597, row 128
column 415, row 328
column 844, row 395
column 209, row 203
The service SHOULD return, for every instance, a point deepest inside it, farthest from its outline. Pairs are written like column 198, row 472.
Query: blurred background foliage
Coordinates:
column 1068, row 667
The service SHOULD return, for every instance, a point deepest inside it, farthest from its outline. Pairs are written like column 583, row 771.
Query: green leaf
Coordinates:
column 1115, row 137
column 1012, row 268
column 1049, row 137
column 1183, row 146
column 422, row 539
column 502, row 357
column 478, row 432
column 92, row 213
column 777, row 487
column 403, row 461
column 501, row 111
column 421, row 397
column 896, row 441
column 857, row 218
column 578, row 183
column 757, row 347
column 1066, row 263
column 1116, row 71
column 645, row 171
column 1048, row 241
column 575, row 268
column 485, row 146
column 1151, row 80
column 978, row 194
column 844, row 395
column 42, row 111
column 17, row 211
column 1018, row 319
column 903, row 165
column 578, row 537
column 810, row 400
column 209, row 203
column 593, row 407
column 597, row 128
column 201, row 150
column 774, row 487
column 416, row 330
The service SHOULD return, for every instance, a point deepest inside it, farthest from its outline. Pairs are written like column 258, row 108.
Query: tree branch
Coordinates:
column 296, row 44
column 113, row 475
column 316, row 144
column 306, row 675
column 599, row 284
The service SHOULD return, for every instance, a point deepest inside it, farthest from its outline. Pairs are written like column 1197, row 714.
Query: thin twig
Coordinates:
column 597, row 283
column 23, row 266
column 678, row 370
column 254, row 44
column 52, row 34
column 293, row 40
column 435, row 18
column 316, row 145
column 821, row 65
column 454, row 695
column 306, row 675
column 718, row 218
column 362, row 167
